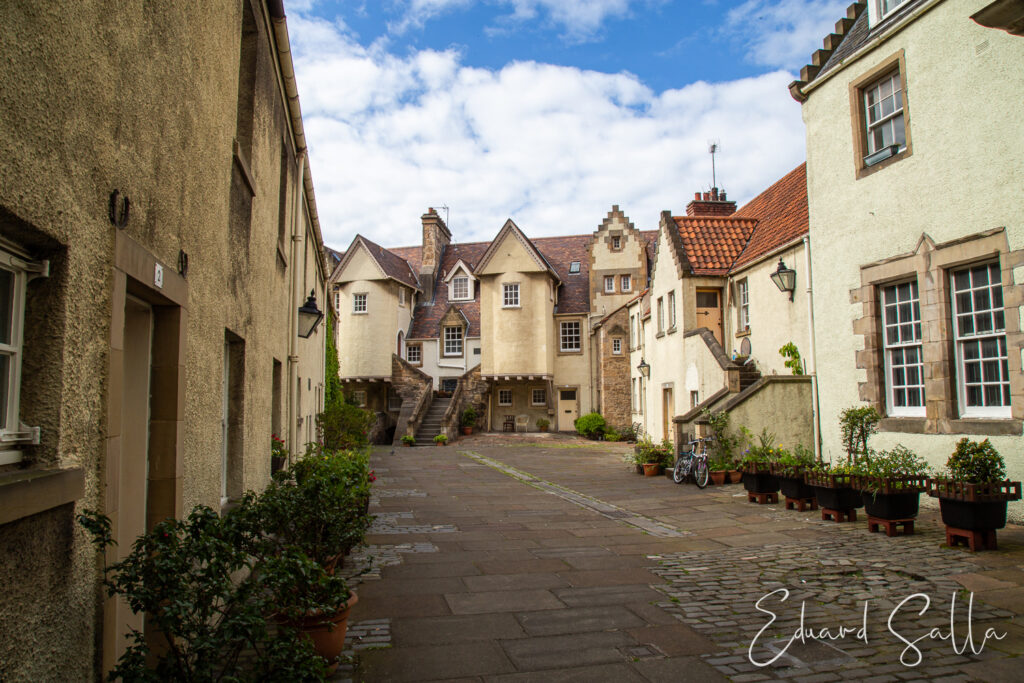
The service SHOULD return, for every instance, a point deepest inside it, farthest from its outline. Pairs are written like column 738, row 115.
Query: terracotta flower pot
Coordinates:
column 652, row 469
column 735, row 476
column 718, row 477
column 467, row 430
column 327, row 633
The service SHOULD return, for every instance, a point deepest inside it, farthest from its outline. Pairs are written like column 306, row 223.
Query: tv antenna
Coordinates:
column 445, row 208
column 712, row 149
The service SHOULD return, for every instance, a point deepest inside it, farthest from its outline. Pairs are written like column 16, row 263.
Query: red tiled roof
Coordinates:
column 781, row 213
column 394, row 266
column 426, row 322
column 711, row 243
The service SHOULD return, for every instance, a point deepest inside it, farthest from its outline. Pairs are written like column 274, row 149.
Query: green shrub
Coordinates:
column 612, row 435
column 792, row 356
column 856, row 426
column 408, row 439
column 343, row 426
column 976, row 463
column 724, row 444
column 543, row 423
column 441, row 439
column 469, row 417
column 591, row 425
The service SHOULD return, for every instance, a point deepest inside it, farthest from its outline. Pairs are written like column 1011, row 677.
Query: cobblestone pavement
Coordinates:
column 504, row 558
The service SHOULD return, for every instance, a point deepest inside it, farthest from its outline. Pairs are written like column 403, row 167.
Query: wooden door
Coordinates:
column 709, row 311
column 567, row 410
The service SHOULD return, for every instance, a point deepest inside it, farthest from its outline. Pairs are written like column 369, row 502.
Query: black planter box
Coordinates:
column 891, row 505
column 794, row 487
column 761, row 482
column 838, row 499
column 973, row 516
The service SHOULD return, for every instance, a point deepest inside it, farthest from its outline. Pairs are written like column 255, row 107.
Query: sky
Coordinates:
column 547, row 112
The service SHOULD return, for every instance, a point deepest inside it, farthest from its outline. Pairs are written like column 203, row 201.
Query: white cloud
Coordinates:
column 784, row 33
column 552, row 147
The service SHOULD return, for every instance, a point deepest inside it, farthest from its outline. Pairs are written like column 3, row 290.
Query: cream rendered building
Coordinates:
column 712, row 299
column 532, row 328
column 915, row 165
column 158, row 235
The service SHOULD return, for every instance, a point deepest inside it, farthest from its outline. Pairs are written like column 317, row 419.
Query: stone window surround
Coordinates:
column 511, row 398
column 897, row 62
column 609, row 280
column 931, row 264
column 533, row 396
column 419, row 348
column 560, row 349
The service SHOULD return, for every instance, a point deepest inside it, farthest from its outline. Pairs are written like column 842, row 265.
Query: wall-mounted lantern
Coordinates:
column 309, row 316
column 785, row 279
column 644, row 368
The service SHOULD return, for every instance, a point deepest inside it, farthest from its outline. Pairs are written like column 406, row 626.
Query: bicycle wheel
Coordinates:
column 700, row 473
column 680, row 470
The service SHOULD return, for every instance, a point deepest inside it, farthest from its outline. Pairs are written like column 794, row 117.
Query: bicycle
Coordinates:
column 694, row 462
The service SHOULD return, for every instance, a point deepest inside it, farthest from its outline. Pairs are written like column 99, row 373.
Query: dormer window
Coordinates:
column 574, row 267
column 460, row 288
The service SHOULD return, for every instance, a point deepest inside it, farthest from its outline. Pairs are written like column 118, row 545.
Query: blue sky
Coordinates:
column 543, row 111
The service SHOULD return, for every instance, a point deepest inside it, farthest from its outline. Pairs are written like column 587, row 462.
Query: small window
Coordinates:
column 609, row 284
column 510, row 295
column 414, row 353
column 616, row 243
column 617, row 346
column 359, row 398
column 574, row 267
column 632, row 332
column 672, row 310
column 567, row 395
column 460, row 288
column 694, row 399
column 337, row 301
column 14, row 276
column 884, row 124
column 476, row 351
column 504, row 397
column 539, row 397
column 401, row 296
column 453, row 341
column 449, row 385
column 661, row 314
column 707, row 299
column 570, row 336
column 626, row 283
column 744, row 305
column 359, row 303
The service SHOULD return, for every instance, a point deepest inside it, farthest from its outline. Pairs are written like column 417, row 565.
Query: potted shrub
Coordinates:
column 973, row 497
column 591, row 425
column 207, row 600
column 723, row 445
column 789, row 467
column 468, row 420
column 641, row 453
column 757, row 462
column 719, row 467
column 835, row 485
column 408, row 440
column 891, row 483
column 278, row 454
column 440, row 440
column 543, row 423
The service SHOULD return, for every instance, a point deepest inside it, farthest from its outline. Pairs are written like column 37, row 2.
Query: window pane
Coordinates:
column 974, row 395
column 962, row 280
column 899, row 133
column 5, row 381
column 966, row 323
column 6, row 305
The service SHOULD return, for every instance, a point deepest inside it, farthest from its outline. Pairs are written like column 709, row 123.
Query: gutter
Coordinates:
column 815, row 412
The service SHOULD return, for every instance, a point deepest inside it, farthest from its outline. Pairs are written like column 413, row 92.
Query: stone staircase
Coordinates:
column 431, row 424
column 748, row 376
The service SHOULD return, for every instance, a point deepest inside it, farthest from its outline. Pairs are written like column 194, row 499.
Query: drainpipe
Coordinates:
column 295, row 300
column 815, row 415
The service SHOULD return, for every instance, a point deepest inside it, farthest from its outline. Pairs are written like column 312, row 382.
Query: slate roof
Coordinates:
column 781, row 213
column 426, row 323
column 711, row 244
column 394, row 266
column 574, row 294
column 854, row 38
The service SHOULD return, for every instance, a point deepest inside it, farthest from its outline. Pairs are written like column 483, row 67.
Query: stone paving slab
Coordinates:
column 532, row 533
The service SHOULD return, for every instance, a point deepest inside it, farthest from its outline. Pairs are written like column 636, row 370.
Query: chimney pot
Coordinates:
column 714, row 194
column 696, row 196
column 707, row 196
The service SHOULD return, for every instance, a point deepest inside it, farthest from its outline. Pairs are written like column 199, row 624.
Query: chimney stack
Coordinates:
column 435, row 238
column 713, row 203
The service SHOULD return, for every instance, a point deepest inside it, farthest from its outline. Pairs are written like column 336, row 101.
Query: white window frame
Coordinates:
column 996, row 311
column 360, row 304
column 14, row 432
column 452, row 340
column 569, row 338
column 617, row 346
column 574, row 266
column 609, row 284
column 893, row 79
column 887, row 7
column 616, row 242
column 632, row 332
column 502, row 393
column 409, row 348
column 743, row 297
column 632, row 394
column 464, row 281
column 359, row 396
column 543, row 397
column 901, row 334
column 672, row 310
column 510, row 295
column 337, row 301
column 625, row 283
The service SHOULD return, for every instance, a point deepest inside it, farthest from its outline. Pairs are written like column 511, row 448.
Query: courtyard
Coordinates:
column 499, row 558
